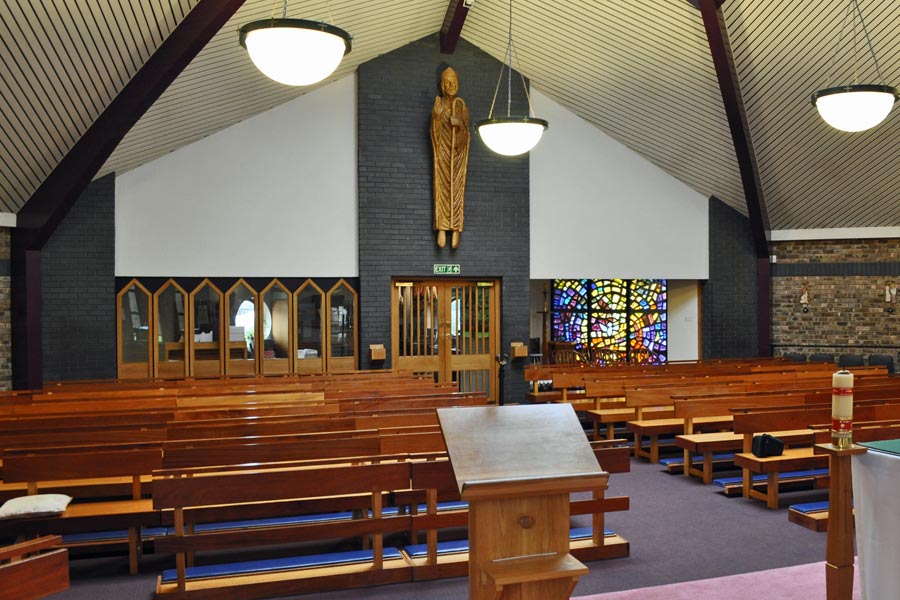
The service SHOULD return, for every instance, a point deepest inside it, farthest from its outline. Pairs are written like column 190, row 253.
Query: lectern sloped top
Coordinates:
column 519, row 450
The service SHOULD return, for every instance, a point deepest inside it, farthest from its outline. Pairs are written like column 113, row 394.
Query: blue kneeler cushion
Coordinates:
column 280, row 564
column 448, row 505
column 112, row 535
column 269, row 522
column 762, row 478
column 696, row 460
column 810, row 507
column 450, row 547
column 454, row 546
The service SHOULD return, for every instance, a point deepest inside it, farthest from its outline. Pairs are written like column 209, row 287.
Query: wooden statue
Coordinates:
column 450, row 142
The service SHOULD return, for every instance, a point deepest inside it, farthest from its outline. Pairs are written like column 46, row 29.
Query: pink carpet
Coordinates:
column 803, row 582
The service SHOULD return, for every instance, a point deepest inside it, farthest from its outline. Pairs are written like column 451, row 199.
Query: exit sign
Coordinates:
column 446, row 270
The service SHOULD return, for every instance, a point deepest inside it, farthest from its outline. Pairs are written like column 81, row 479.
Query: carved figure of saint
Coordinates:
column 450, row 142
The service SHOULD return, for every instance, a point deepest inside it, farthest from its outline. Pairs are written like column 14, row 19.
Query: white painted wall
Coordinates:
column 274, row 195
column 683, row 320
column 598, row 209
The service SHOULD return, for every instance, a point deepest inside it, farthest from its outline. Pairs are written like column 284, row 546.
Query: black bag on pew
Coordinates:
column 767, row 445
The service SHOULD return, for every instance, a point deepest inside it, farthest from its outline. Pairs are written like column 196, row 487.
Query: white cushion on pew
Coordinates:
column 37, row 505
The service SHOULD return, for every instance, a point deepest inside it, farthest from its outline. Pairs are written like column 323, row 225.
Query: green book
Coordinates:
column 889, row 446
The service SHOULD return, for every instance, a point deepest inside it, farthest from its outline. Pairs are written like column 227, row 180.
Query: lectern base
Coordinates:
column 520, row 549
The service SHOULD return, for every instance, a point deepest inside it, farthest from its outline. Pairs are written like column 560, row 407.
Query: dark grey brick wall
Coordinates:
column 78, row 319
column 396, row 93
column 729, row 313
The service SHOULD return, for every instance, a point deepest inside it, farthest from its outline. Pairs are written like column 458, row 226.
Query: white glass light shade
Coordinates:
column 511, row 136
column 295, row 51
column 855, row 107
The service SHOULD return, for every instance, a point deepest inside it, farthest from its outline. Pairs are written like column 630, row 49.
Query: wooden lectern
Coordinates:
column 516, row 466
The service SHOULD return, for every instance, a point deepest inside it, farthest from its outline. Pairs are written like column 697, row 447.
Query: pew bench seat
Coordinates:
column 706, row 444
column 87, row 524
column 792, row 460
column 701, row 465
column 88, row 517
column 812, row 515
column 652, row 429
column 609, row 417
column 734, row 486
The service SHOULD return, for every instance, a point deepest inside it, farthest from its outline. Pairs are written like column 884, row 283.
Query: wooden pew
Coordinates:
column 726, row 442
column 443, row 510
column 766, row 384
column 691, row 406
column 814, row 515
column 231, row 427
column 651, row 396
column 33, row 569
column 96, row 465
column 295, row 575
column 183, row 454
column 750, row 423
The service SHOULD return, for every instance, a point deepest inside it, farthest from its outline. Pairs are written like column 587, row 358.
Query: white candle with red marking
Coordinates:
column 842, row 408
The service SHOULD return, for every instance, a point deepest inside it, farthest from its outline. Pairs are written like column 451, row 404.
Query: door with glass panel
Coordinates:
column 274, row 321
column 169, row 304
column 448, row 330
column 134, row 332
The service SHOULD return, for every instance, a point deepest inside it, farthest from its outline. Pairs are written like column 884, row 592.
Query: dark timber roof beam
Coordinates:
column 53, row 198
column 48, row 206
column 723, row 60
column 457, row 10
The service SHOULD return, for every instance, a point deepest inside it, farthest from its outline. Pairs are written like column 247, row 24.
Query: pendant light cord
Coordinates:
column 508, row 56
column 869, row 42
column 285, row 6
column 854, row 10
column 509, row 51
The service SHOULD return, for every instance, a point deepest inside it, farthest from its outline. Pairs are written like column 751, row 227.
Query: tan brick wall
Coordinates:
column 837, row 251
column 846, row 314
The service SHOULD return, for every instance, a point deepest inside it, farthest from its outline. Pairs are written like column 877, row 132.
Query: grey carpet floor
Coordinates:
column 679, row 530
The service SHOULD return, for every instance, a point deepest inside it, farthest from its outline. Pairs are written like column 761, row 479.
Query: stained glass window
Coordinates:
column 612, row 320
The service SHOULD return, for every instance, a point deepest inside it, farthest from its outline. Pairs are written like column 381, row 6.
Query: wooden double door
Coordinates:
column 449, row 329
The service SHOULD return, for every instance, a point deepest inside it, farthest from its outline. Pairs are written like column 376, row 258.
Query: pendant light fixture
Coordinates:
column 294, row 51
column 510, row 135
column 855, row 107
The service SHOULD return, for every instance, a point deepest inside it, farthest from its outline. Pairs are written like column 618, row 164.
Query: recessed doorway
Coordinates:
column 447, row 329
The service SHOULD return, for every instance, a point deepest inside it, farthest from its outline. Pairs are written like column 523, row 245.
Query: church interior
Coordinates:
column 270, row 332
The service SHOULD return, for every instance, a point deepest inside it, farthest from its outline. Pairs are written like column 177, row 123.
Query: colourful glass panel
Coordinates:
column 609, row 336
column 617, row 320
column 647, row 338
column 571, row 294
column 571, row 327
column 648, row 294
column 609, row 295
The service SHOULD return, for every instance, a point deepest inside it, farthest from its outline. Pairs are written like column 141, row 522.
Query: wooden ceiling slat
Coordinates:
column 80, row 103
column 65, row 47
column 92, row 55
column 639, row 72
column 818, row 177
column 19, row 80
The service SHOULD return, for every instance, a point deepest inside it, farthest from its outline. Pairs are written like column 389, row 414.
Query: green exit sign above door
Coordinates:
column 447, row 270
